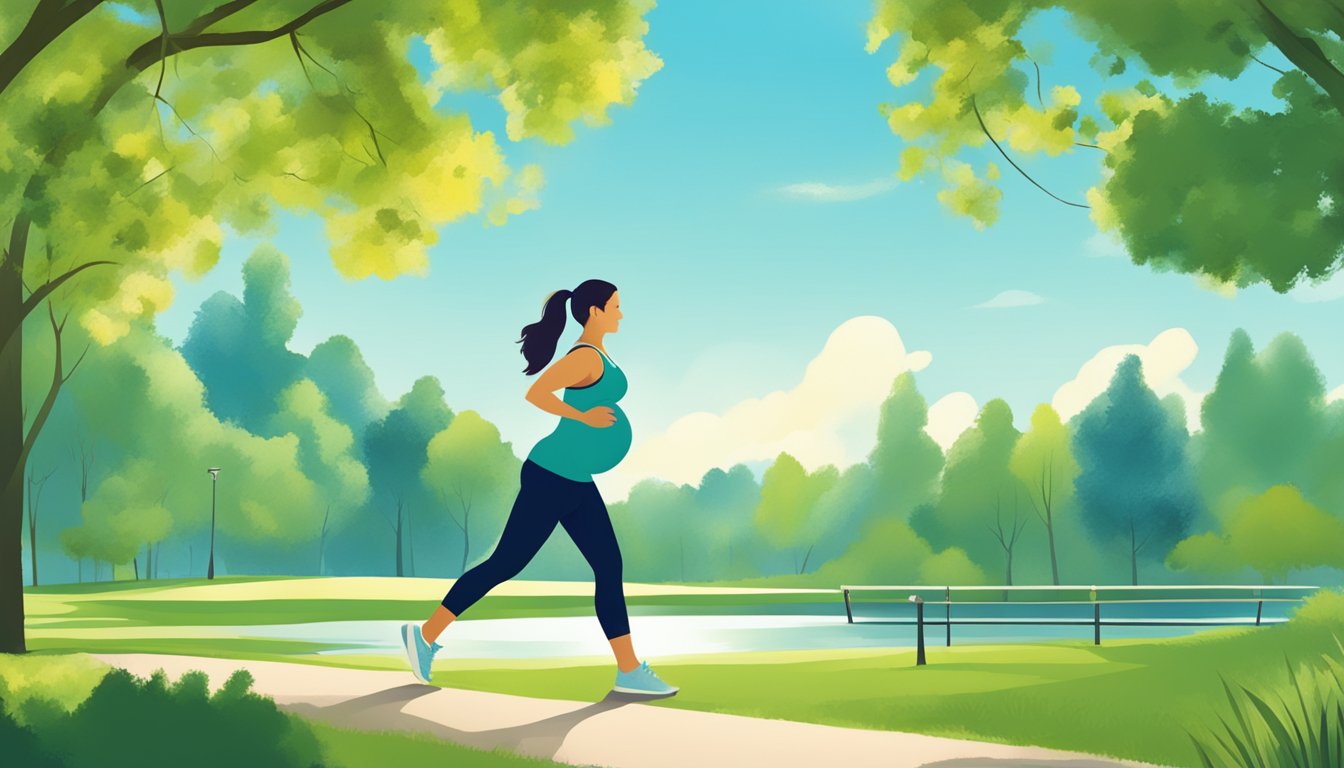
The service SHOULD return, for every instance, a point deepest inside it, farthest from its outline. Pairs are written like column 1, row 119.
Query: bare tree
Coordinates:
column 34, row 498
column 322, row 541
column 1007, row 539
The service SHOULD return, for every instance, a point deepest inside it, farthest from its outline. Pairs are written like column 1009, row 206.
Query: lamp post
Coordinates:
column 919, row 622
column 214, row 475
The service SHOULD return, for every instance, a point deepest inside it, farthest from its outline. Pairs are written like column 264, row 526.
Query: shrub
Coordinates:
column 20, row 745
column 1299, row 723
column 134, row 723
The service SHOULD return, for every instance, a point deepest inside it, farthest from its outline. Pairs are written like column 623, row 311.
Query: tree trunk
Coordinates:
column 322, row 542
column 806, row 557
column 1133, row 557
column 398, row 532
column 410, row 543
column 1054, row 564
column 11, row 443
column 32, row 538
column 135, row 561
column 466, row 536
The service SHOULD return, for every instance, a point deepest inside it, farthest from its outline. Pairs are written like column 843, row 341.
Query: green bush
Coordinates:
column 132, row 723
column 1298, row 723
column 20, row 745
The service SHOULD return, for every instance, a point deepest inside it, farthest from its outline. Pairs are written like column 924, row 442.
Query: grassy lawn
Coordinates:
column 244, row 602
column 1127, row 698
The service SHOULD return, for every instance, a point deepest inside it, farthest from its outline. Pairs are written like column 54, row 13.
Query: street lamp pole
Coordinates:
column 214, row 475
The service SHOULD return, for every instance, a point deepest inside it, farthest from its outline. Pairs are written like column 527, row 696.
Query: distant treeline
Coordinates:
column 322, row 474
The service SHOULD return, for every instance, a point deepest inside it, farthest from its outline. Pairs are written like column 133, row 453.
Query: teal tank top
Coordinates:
column 577, row 451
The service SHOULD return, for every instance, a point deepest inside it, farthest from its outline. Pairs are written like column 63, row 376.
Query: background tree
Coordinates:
column 651, row 528
column 727, row 501
column 310, row 107
column 1043, row 461
column 396, row 448
column 239, row 349
column 1135, row 483
column 985, row 84
column 35, row 486
column 1273, row 532
column 325, row 453
column 155, row 431
column 906, row 461
column 889, row 552
column 75, row 542
column 786, row 516
column 470, row 469
column 975, row 482
column 1262, row 422
column 337, row 367
column 1007, row 531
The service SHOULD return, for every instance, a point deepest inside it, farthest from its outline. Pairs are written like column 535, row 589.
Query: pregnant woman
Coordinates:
column 557, row 481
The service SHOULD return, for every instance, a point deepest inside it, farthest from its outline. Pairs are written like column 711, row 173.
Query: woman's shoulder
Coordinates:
column 587, row 350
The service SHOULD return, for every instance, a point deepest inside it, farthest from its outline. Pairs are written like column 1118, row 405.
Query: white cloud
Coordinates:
column 1336, row 394
column 821, row 192
column 1009, row 299
column 950, row 416
column 842, row 387
column 1164, row 359
column 1105, row 245
column 1330, row 289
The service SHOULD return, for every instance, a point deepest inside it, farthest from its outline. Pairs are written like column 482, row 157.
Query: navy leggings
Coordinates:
column 545, row 499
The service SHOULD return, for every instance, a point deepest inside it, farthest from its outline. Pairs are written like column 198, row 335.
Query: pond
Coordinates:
column 823, row 627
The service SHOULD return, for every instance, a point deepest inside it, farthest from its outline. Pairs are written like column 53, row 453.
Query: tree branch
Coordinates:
column 48, row 22
column 1305, row 53
column 44, row 290
column 205, row 20
column 1257, row 60
column 58, row 378
column 146, row 55
column 1025, row 175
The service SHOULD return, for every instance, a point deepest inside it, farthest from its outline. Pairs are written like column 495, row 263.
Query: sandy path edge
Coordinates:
column 616, row 731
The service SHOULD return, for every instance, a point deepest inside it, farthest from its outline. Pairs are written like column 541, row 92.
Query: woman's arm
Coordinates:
column 574, row 369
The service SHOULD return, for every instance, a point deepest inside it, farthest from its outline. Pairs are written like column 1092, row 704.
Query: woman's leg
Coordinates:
column 540, row 501
column 589, row 526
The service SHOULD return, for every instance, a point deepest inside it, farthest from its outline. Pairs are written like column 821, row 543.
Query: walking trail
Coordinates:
column 617, row 731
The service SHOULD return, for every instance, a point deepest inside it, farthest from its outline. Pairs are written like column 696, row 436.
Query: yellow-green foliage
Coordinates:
column 64, row 679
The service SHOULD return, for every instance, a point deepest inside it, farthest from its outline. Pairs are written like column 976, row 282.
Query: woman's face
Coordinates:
column 609, row 317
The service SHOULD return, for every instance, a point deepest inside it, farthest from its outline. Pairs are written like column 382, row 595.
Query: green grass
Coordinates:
column 1128, row 698
column 94, row 612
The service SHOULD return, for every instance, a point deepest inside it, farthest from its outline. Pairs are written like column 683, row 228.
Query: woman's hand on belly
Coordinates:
column 599, row 416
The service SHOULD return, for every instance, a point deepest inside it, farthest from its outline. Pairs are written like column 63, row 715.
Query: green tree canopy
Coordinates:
column 474, row 477
column 1272, row 532
column 1264, row 420
column 134, row 135
column 1043, row 461
column 906, row 461
column 786, row 515
column 1189, row 182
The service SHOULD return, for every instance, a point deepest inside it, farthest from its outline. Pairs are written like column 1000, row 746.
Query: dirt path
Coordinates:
column 616, row 731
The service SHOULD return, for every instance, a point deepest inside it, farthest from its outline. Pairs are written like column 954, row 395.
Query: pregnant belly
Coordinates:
column 588, row 449
column 606, row 446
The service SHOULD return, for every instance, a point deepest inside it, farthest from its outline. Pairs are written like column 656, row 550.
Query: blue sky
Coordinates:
column 729, row 284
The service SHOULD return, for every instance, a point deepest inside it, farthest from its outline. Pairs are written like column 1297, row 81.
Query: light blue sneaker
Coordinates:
column 419, row 653
column 641, row 679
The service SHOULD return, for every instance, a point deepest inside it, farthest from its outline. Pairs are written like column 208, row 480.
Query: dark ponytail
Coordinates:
column 539, row 338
